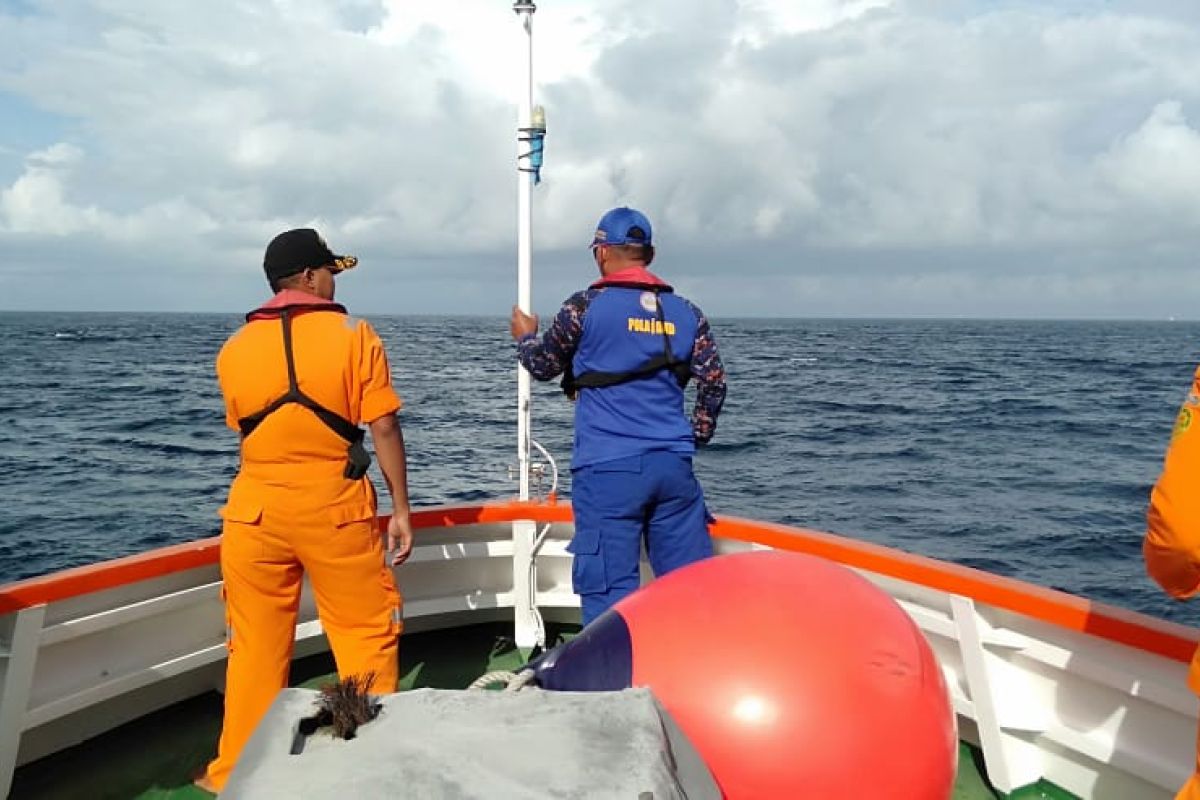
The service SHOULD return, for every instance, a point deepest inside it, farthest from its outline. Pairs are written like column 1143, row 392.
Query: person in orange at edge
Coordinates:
column 1172, row 544
column 298, row 379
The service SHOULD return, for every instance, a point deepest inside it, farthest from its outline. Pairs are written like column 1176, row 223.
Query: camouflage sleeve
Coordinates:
column 709, row 373
column 548, row 357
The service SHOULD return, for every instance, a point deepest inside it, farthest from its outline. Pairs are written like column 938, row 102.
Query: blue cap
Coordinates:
column 623, row 225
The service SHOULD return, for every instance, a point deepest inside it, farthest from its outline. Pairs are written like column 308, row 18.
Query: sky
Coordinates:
column 998, row 158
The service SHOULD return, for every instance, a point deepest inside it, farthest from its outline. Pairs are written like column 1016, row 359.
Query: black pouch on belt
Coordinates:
column 358, row 460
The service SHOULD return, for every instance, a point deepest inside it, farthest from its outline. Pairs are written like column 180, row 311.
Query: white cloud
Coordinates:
column 885, row 137
column 34, row 203
column 760, row 21
column 1157, row 166
column 37, row 203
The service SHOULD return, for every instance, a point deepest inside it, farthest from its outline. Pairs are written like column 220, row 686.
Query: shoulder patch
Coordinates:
column 1184, row 421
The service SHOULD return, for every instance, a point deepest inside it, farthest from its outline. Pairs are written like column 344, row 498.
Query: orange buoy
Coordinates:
column 792, row 677
column 795, row 677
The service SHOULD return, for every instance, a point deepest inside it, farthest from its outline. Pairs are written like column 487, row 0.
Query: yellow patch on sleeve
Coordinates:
column 1183, row 422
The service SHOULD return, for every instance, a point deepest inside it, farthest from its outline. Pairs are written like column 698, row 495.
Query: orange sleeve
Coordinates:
column 231, row 412
column 375, row 377
column 1172, row 544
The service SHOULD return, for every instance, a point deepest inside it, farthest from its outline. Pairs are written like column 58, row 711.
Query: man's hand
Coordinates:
column 522, row 324
column 399, row 538
column 389, row 448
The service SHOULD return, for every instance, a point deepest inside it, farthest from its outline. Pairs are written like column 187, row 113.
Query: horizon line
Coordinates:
column 764, row 317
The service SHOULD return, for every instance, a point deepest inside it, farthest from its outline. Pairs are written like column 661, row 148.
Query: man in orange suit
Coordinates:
column 1172, row 544
column 298, row 380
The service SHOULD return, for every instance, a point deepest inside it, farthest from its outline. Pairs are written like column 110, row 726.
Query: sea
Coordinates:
column 1024, row 448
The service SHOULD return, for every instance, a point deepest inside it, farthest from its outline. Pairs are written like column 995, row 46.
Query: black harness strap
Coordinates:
column 358, row 459
column 598, row 380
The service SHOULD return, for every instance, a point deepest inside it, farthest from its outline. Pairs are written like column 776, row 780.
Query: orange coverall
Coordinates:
column 291, row 511
column 1172, row 544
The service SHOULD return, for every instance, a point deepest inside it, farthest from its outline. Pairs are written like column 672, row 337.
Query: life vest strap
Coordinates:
column 598, row 380
column 358, row 459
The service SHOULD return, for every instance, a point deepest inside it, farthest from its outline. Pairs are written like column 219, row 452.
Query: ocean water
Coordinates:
column 1023, row 448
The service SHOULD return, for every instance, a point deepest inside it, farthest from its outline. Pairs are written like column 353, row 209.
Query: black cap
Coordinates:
column 297, row 250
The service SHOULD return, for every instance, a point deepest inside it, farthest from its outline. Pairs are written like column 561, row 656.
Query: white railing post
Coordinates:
column 19, row 636
column 524, row 599
column 1011, row 762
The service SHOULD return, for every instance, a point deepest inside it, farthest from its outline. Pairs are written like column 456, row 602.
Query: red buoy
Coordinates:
column 795, row 677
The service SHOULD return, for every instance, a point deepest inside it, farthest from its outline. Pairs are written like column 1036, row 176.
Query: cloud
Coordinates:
column 1157, row 167
column 910, row 143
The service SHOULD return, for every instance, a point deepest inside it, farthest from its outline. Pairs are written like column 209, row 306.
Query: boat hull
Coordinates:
column 1051, row 687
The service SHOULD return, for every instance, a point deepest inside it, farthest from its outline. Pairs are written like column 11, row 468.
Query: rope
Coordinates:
column 512, row 681
column 553, row 465
column 535, row 613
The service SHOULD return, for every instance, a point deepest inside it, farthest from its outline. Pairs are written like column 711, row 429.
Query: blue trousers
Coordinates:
column 653, row 497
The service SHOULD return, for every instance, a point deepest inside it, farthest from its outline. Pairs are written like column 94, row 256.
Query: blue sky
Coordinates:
column 27, row 130
column 836, row 157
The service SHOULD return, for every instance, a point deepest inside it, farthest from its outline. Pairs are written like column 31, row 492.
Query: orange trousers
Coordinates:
column 262, row 566
column 1191, row 789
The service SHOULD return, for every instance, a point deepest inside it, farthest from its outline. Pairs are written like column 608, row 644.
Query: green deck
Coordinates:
column 155, row 758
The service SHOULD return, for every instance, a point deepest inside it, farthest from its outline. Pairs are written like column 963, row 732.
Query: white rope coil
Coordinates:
column 511, row 681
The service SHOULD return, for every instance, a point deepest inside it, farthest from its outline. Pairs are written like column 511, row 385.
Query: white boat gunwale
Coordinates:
column 1089, row 696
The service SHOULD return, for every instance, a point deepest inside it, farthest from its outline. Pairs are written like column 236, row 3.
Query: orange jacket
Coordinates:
column 1172, row 544
column 292, row 459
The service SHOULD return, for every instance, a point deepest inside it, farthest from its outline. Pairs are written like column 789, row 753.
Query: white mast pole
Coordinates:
column 526, row 620
column 525, row 10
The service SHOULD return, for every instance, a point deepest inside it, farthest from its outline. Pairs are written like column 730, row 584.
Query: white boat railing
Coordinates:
column 1049, row 686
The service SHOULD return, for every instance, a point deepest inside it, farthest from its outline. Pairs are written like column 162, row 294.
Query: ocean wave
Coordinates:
column 83, row 336
column 1022, row 449
column 165, row 448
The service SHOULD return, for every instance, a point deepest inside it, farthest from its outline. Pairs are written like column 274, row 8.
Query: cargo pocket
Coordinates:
column 587, row 569
column 243, row 511
column 343, row 515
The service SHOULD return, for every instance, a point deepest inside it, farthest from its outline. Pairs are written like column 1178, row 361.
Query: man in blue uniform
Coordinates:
column 626, row 347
